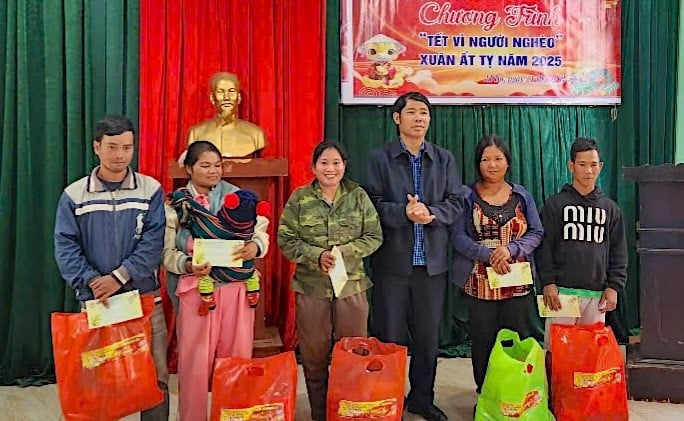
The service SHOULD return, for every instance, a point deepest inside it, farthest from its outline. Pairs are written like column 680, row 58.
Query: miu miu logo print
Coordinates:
column 584, row 224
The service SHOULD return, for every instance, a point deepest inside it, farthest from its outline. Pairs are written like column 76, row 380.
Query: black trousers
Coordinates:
column 411, row 303
column 486, row 318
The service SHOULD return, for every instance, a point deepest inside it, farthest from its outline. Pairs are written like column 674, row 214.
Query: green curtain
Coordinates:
column 679, row 136
column 65, row 63
column 639, row 131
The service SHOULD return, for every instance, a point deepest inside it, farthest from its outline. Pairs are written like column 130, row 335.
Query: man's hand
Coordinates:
column 199, row 270
column 499, row 260
column 248, row 252
column 608, row 300
column 416, row 211
column 551, row 297
column 104, row 287
column 326, row 261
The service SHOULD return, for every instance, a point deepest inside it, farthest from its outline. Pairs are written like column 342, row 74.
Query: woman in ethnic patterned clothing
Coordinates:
column 500, row 226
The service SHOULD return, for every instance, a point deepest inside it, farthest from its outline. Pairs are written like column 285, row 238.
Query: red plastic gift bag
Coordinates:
column 254, row 389
column 587, row 374
column 367, row 379
column 105, row 373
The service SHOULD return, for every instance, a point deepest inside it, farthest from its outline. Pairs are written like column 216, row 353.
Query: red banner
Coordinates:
column 481, row 51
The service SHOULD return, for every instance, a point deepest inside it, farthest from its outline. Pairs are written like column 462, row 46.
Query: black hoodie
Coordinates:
column 584, row 244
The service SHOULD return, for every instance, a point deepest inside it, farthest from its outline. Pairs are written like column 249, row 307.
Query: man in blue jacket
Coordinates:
column 417, row 191
column 109, row 234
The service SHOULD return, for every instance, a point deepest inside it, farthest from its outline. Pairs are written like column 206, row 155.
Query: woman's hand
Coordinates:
column 248, row 252
column 326, row 261
column 199, row 270
column 499, row 254
column 502, row 267
column 499, row 260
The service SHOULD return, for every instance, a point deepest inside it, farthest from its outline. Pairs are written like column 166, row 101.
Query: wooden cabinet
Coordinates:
column 655, row 367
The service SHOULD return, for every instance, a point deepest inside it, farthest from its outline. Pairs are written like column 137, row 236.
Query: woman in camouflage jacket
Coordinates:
column 329, row 222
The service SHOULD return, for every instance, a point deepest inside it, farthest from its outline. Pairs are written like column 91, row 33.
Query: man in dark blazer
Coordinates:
column 417, row 191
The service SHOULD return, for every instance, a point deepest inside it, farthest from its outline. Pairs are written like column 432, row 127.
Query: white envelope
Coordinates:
column 217, row 252
column 338, row 273
column 570, row 307
column 520, row 274
column 122, row 307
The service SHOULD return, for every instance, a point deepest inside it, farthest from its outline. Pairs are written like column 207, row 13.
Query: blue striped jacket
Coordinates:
column 120, row 232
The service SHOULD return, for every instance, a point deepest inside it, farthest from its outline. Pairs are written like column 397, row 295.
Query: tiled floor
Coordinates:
column 454, row 391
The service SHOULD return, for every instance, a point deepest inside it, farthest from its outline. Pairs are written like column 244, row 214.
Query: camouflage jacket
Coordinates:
column 309, row 226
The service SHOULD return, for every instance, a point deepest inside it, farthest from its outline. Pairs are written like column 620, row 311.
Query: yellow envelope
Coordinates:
column 570, row 307
column 217, row 252
column 122, row 307
column 520, row 274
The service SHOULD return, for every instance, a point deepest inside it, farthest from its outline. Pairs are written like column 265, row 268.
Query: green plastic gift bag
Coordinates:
column 515, row 387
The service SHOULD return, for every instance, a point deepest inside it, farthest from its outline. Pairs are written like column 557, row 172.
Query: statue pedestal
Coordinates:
column 264, row 176
column 655, row 368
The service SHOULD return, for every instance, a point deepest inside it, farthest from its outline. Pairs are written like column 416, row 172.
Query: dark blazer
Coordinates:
column 389, row 180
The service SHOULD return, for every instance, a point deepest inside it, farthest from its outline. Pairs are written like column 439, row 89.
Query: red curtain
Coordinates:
column 277, row 49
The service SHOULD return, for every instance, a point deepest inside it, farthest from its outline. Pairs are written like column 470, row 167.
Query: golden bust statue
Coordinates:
column 235, row 138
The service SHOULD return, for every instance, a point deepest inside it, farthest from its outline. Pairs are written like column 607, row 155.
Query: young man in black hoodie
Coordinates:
column 584, row 249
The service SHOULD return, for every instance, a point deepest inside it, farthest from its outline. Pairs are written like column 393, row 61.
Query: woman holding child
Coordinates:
column 225, row 326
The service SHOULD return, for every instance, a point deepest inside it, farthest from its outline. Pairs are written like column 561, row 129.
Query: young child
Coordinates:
column 584, row 249
column 234, row 221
